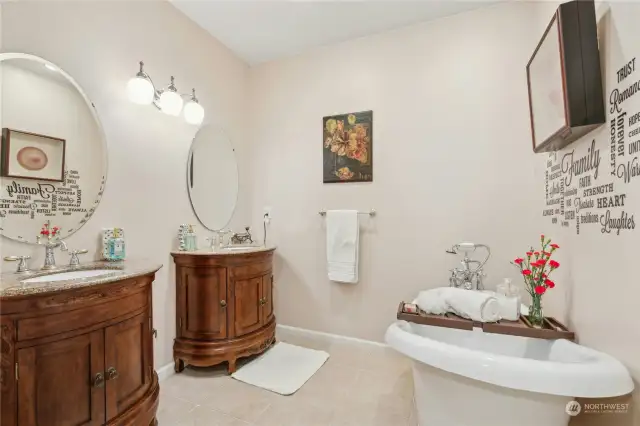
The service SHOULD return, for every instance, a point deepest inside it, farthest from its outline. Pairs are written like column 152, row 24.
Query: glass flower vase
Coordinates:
column 536, row 317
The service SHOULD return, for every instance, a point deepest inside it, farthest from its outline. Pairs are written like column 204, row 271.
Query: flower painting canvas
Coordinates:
column 348, row 147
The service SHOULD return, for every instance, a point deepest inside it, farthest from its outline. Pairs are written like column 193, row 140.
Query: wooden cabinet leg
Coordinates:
column 178, row 365
column 232, row 366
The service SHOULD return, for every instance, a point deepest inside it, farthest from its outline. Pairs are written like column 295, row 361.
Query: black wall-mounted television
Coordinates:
column 564, row 79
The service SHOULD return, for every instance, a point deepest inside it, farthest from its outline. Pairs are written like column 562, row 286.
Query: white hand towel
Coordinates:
column 474, row 305
column 343, row 237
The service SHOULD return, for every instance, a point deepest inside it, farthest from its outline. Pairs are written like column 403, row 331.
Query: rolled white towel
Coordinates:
column 432, row 301
column 474, row 305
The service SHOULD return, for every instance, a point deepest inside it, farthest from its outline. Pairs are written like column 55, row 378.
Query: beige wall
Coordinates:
column 602, row 291
column 452, row 162
column 100, row 44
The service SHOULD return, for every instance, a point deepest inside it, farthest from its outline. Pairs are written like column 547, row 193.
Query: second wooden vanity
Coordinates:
column 224, row 306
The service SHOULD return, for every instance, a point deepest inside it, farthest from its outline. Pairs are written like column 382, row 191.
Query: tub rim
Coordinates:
column 604, row 376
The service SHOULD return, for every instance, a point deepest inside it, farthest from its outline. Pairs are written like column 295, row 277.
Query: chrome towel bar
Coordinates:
column 370, row 213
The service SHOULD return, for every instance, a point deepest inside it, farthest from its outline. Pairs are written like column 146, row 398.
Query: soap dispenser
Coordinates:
column 116, row 248
column 191, row 239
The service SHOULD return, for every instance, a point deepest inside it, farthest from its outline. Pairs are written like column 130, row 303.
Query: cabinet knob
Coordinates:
column 112, row 373
column 263, row 301
column 223, row 303
column 98, row 381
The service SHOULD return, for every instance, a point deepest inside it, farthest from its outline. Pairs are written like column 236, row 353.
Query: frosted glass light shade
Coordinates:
column 193, row 113
column 170, row 103
column 140, row 91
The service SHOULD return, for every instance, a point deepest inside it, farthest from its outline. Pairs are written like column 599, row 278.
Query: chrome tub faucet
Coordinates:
column 470, row 275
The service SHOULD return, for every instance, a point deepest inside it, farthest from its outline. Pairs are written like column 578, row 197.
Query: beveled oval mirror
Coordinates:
column 53, row 164
column 212, row 178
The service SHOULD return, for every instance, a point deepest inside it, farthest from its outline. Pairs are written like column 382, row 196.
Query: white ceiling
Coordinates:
column 260, row 31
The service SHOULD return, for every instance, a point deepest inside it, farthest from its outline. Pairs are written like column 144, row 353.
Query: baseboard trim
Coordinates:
column 165, row 372
column 328, row 335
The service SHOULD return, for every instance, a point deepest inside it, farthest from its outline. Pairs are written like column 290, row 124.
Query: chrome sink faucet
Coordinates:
column 217, row 239
column 53, row 241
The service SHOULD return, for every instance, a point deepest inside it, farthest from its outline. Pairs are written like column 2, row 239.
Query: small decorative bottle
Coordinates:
column 191, row 239
column 116, row 246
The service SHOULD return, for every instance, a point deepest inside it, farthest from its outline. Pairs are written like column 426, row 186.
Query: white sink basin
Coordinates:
column 239, row 248
column 71, row 275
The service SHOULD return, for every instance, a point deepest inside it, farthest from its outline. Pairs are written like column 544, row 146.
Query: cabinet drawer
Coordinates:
column 47, row 325
column 250, row 271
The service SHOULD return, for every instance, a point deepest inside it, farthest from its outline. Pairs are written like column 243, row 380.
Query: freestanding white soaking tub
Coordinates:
column 471, row 378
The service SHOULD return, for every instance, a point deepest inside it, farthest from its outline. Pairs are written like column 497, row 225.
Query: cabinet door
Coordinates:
column 247, row 315
column 267, row 298
column 202, row 303
column 62, row 383
column 127, row 367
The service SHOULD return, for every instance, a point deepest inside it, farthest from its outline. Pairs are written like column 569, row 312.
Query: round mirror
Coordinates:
column 212, row 178
column 53, row 164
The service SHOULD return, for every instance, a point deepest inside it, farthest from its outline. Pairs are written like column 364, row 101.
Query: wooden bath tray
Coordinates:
column 553, row 329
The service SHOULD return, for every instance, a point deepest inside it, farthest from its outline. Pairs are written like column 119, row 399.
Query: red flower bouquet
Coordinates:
column 49, row 232
column 535, row 269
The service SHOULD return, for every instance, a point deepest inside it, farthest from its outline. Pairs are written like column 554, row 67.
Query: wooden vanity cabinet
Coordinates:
column 79, row 357
column 224, row 307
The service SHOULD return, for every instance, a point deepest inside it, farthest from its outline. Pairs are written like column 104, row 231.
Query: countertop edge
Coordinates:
column 15, row 291
column 206, row 252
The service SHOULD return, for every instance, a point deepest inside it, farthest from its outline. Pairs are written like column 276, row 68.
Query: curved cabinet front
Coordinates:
column 80, row 356
column 224, row 307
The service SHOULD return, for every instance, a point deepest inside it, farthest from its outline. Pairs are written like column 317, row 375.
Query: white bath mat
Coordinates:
column 283, row 369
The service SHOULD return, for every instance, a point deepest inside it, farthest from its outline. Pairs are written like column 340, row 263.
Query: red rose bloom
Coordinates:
column 542, row 237
column 526, row 272
column 554, row 264
column 546, row 253
column 540, row 289
column 544, row 275
column 555, row 246
column 549, row 283
column 529, row 253
column 518, row 261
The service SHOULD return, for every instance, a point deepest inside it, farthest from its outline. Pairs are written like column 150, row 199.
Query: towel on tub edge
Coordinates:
column 469, row 304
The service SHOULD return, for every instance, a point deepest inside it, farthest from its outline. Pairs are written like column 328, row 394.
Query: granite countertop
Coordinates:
column 11, row 283
column 225, row 252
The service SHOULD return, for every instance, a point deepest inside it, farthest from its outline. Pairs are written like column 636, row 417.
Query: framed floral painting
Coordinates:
column 348, row 147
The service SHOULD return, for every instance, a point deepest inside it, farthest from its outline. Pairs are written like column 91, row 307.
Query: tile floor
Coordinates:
column 360, row 385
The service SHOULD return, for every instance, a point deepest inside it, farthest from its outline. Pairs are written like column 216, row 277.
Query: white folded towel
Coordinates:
column 343, row 237
column 473, row 305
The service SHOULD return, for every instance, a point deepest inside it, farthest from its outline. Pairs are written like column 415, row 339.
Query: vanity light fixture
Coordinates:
column 142, row 91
